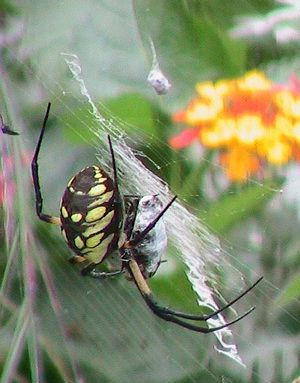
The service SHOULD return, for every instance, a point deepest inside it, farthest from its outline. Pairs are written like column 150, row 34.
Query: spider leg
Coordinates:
column 132, row 196
column 104, row 274
column 74, row 259
column 90, row 271
column 142, row 234
column 114, row 166
column 165, row 313
column 131, row 215
column 159, row 311
column 6, row 129
column 180, row 314
column 35, row 177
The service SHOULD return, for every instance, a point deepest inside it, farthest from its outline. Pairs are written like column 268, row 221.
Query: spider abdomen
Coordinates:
column 90, row 214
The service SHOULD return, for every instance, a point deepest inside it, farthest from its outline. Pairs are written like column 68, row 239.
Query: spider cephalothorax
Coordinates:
column 96, row 220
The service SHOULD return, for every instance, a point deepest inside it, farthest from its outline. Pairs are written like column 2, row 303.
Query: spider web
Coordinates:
column 196, row 245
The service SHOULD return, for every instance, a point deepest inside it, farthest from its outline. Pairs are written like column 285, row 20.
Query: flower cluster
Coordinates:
column 250, row 119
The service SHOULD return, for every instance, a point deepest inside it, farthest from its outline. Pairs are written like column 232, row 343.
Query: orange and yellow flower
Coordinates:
column 250, row 119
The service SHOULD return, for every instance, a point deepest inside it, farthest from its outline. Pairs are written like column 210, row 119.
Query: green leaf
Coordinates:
column 133, row 110
column 178, row 293
column 77, row 124
column 231, row 209
column 227, row 10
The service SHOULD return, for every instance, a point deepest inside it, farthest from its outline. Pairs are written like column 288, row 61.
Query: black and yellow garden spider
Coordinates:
column 95, row 223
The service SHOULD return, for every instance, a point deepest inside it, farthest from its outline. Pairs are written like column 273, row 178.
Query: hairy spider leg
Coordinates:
column 167, row 314
column 35, row 175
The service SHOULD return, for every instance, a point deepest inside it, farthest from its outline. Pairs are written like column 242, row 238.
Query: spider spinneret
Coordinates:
column 96, row 220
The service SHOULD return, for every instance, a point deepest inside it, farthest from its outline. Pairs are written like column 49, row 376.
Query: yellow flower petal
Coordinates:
column 249, row 129
column 254, row 81
column 239, row 163
column 225, row 128
column 295, row 112
column 206, row 89
column 296, row 132
column 276, row 152
column 210, row 138
column 284, row 100
column 223, row 87
column 201, row 113
column 284, row 126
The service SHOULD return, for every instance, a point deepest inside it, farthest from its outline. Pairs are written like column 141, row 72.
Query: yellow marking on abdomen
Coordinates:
column 99, row 226
column 99, row 177
column 71, row 180
column 74, row 191
column 97, row 253
column 78, row 192
column 64, row 212
column 95, row 214
column 76, row 217
column 95, row 240
column 79, row 242
column 103, row 198
column 96, row 190
column 64, row 235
